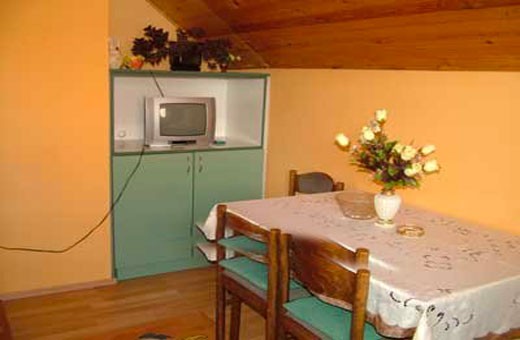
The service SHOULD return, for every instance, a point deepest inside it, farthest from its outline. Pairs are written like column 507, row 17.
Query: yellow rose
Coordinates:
column 342, row 140
column 428, row 149
column 398, row 148
column 431, row 166
column 408, row 153
column 381, row 115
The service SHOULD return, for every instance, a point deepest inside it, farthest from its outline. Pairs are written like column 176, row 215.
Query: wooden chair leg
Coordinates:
column 220, row 315
column 234, row 333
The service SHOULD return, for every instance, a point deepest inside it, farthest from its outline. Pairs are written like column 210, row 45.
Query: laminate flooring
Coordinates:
column 87, row 314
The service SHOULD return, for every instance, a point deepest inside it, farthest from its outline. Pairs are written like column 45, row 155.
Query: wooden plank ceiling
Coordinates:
column 361, row 34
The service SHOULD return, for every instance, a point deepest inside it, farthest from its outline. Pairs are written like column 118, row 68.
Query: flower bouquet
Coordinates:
column 392, row 164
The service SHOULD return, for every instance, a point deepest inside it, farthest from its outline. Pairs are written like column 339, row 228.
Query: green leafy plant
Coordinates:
column 154, row 47
column 391, row 163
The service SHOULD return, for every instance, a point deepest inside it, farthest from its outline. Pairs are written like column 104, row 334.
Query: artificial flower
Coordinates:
column 431, row 166
column 398, row 147
column 391, row 163
column 342, row 140
column 368, row 134
column 408, row 153
column 376, row 128
column 427, row 149
column 413, row 170
column 381, row 115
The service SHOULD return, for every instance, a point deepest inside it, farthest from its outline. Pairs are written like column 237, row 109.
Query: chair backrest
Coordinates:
column 312, row 183
column 234, row 222
column 238, row 225
column 330, row 271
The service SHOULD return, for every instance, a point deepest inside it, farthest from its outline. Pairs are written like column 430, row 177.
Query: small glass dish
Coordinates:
column 356, row 205
column 410, row 230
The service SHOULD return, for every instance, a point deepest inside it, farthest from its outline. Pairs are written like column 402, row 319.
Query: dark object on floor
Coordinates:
column 153, row 336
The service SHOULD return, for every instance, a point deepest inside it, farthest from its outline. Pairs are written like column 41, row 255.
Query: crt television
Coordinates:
column 170, row 120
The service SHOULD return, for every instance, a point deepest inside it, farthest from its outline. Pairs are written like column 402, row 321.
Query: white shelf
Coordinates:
column 240, row 105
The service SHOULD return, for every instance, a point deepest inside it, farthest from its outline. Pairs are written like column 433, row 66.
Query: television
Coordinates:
column 171, row 120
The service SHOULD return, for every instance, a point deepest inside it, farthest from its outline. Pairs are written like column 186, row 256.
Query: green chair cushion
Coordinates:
column 244, row 243
column 252, row 271
column 331, row 321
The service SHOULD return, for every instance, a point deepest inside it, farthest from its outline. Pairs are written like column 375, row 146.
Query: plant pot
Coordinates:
column 185, row 57
column 387, row 205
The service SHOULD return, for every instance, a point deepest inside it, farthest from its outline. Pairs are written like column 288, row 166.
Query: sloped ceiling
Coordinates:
column 362, row 34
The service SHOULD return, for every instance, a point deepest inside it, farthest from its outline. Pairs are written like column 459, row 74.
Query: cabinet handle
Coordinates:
column 200, row 167
column 189, row 164
column 201, row 164
column 189, row 169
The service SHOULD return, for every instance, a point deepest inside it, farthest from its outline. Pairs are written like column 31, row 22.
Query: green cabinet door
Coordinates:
column 152, row 222
column 225, row 176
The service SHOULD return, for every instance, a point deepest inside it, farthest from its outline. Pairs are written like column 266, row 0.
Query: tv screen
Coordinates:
column 182, row 119
column 170, row 120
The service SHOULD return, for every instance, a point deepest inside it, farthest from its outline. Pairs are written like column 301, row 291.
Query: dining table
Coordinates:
column 458, row 280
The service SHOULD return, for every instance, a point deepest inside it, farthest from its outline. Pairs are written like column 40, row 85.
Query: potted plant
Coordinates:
column 187, row 52
column 393, row 165
column 217, row 53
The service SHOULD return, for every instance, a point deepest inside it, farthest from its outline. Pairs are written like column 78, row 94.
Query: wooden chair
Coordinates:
column 312, row 183
column 323, row 267
column 250, row 278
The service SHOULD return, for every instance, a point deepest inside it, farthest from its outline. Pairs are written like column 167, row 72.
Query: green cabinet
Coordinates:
column 226, row 176
column 153, row 223
column 152, row 219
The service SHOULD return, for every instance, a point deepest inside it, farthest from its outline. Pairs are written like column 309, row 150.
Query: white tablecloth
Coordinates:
column 458, row 281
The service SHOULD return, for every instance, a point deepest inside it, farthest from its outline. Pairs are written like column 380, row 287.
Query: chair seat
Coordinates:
column 252, row 271
column 243, row 244
column 331, row 321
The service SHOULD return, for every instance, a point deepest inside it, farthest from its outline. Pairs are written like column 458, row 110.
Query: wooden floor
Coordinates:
column 88, row 313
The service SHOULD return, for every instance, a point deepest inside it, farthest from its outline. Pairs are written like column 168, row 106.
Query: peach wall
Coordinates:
column 54, row 147
column 129, row 17
column 472, row 117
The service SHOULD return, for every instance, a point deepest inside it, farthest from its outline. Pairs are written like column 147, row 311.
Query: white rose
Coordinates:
column 428, row 149
column 410, row 172
column 381, row 115
column 376, row 128
column 431, row 166
column 413, row 170
column 398, row 148
column 342, row 140
column 408, row 153
column 368, row 134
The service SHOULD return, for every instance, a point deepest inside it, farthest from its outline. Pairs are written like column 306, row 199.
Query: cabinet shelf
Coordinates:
column 134, row 147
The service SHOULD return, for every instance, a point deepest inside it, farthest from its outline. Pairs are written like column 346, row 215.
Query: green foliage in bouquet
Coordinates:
column 393, row 165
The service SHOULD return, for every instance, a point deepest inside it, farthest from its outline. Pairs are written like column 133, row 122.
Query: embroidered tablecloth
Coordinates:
column 458, row 281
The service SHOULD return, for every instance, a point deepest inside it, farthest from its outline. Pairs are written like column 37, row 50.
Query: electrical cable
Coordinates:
column 157, row 84
column 104, row 218
column 92, row 230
